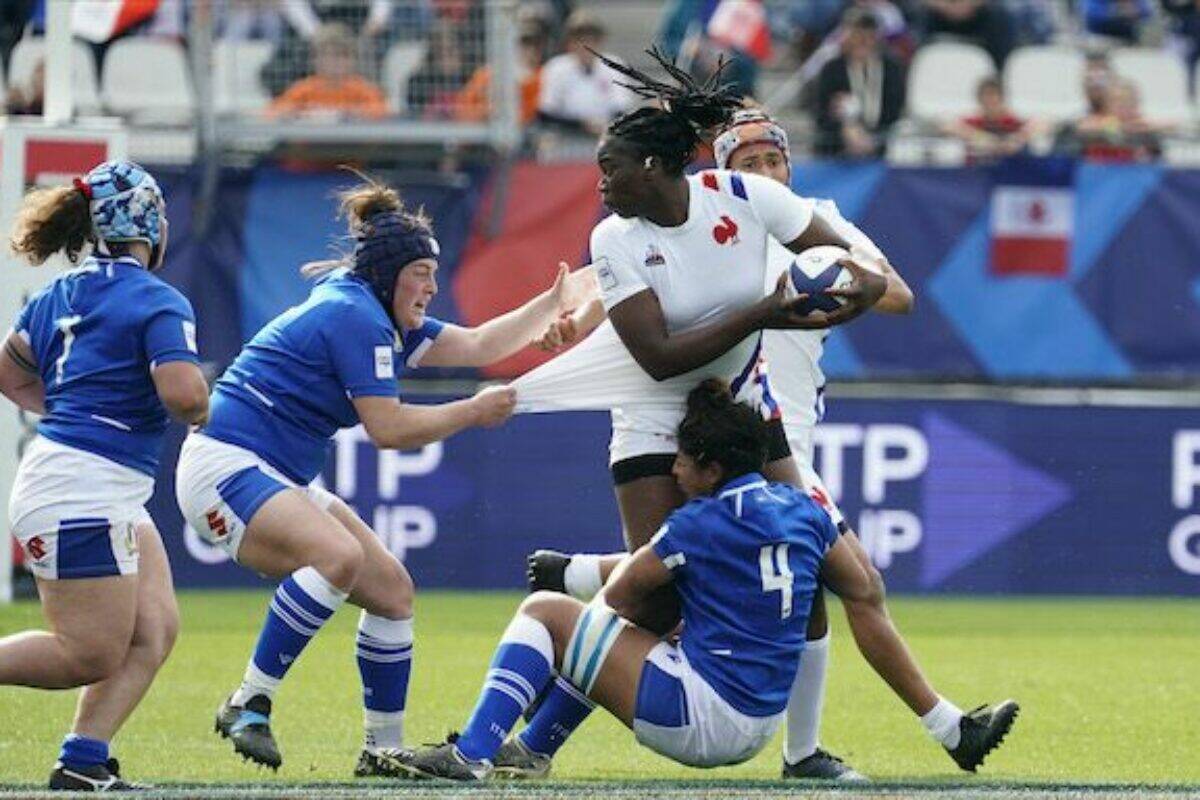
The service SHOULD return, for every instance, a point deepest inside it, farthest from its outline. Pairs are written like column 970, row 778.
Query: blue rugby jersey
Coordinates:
column 96, row 333
column 292, row 386
column 746, row 564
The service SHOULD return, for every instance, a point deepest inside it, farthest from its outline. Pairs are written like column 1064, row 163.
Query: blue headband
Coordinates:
column 388, row 242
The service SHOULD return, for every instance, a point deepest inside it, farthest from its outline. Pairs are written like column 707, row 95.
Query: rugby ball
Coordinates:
column 814, row 271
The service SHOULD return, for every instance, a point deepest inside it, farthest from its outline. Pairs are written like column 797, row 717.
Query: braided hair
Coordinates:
column 671, row 130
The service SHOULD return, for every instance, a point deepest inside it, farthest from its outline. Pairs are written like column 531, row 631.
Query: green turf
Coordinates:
column 1109, row 693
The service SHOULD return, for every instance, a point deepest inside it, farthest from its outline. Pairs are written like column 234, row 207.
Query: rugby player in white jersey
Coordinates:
column 676, row 267
column 754, row 144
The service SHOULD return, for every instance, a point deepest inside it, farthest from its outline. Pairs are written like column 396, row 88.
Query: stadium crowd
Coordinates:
column 856, row 63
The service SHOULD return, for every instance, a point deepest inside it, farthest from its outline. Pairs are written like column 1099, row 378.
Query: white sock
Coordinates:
column 942, row 722
column 383, row 729
column 255, row 681
column 582, row 577
column 805, row 702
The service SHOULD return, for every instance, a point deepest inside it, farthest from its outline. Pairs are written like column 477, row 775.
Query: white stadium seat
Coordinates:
column 401, row 61
column 32, row 49
column 1046, row 83
column 943, row 80
column 1160, row 78
column 237, row 86
column 149, row 79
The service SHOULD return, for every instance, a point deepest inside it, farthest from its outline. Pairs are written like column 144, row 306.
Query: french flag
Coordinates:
column 1033, row 216
column 742, row 24
column 100, row 20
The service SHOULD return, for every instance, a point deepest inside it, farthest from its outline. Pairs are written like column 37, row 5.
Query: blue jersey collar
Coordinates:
column 742, row 483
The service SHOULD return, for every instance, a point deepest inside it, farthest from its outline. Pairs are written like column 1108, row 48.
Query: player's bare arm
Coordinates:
column 19, row 379
column 182, row 388
column 631, row 589
column 401, row 426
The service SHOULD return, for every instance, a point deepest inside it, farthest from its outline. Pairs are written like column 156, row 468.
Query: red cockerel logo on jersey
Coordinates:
column 727, row 231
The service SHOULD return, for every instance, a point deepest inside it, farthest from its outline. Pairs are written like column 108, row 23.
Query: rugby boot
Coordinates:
column 383, row 762
column 99, row 778
column 822, row 766
column 249, row 727
column 516, row 761
column 546, row 570
column 980, row 731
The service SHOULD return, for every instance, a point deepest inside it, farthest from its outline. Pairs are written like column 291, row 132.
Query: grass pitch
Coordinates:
column 1110, row 695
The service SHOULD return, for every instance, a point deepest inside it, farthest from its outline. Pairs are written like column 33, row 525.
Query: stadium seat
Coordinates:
column 1160, row 78
column 148, row 79
column 32, row 49
column 1046, row 82
column 943, row 80
column 237, row 88
column 401, row 61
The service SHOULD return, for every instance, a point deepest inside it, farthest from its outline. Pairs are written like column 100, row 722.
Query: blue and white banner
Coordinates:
column 960, row 497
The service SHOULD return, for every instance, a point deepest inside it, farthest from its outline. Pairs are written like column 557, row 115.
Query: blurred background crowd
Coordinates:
column 955, row 80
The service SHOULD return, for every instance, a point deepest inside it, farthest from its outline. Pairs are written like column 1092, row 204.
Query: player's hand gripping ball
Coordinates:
column 812, row 273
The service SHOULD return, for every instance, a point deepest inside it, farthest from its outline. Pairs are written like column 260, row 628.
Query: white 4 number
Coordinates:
column 67, row 326
column 777, row 575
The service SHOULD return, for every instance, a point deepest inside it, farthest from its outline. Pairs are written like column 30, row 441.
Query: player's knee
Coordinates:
column 543, row 606
column 164, row 634
column 342, row 562
column 95, row 661
column 399, row 595
column 877, row 590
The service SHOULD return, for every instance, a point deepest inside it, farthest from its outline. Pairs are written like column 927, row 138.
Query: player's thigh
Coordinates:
column 384, row 587
column 93, row 618
column 157, row 611
column 289, row 531
column 645, row 503
column 616, row 688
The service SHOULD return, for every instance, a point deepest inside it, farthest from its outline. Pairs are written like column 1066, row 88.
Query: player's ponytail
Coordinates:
column 685, row 111
column 717, row 428
column 50, row 221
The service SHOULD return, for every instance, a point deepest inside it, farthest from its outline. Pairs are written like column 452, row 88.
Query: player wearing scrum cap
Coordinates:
column 245, row 479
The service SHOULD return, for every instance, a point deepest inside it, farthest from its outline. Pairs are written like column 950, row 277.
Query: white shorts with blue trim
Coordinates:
column 683, row 718
column 220, row 486
column 75, row 513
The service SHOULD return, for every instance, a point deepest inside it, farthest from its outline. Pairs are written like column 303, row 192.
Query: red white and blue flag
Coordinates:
column 742, row 24
column 1033, row 217
column 101, row 20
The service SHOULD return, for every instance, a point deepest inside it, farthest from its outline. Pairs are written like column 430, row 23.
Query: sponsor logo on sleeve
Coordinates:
column 384, row 363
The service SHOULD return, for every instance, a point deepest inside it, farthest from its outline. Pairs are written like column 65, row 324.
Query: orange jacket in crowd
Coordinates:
column 355, row 96
column 473, row 101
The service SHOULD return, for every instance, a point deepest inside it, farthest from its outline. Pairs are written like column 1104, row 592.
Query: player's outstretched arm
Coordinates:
column 401, row 426
column 182, row 388
column 849, row 573
column 507, row 334
column 19, row 379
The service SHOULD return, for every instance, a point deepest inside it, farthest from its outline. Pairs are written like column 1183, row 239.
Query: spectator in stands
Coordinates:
column 14, row 16
column 473, row 102
column 1036, row 21
column 993, row 131
column 860, row 94
column 28, row 99
column 1118, row 19
column 1185, row 28
column 683, row 36
column 433, row 89
column 248, row 19
column 1098, row 78
column 337, row 89
column 579, row 93
column 1117, row 131
column 986, row 23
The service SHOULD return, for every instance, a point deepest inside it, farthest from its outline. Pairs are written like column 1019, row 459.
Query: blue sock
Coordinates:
column 79, row 751
column 301, row 605
column 564, row 709
column 519, row 671
column 384, row 651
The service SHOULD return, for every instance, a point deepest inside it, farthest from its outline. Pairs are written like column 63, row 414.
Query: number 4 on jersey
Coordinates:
column 777, row 575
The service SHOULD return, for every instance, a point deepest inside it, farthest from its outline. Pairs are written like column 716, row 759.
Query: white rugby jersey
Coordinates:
column 713, row 264
column 794, row 356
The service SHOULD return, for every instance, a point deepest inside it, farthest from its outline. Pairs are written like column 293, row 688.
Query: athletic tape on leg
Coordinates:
column 595, row 633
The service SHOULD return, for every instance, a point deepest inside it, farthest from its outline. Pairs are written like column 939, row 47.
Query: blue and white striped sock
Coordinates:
column 564, row 709
column 519, row 671
column 384, row 651
column 301, row 605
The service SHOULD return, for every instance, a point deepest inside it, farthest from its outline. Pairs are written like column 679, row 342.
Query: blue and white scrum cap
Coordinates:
column 125, row 202
column 386, row 243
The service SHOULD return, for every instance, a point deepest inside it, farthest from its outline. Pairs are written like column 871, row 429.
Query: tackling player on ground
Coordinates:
column 245, row 480
column 746, row 557
column 103, row 353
